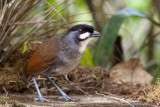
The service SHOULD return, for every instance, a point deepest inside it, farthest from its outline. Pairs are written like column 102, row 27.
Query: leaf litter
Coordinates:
column 127, row 79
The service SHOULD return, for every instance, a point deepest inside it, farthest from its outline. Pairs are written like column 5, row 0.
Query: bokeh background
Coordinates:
column 132, row 27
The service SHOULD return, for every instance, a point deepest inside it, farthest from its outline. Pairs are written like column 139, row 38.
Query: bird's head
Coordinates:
column 81, row 34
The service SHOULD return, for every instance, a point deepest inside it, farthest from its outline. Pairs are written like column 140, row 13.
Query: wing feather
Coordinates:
column 44, row 57
column 35, row 64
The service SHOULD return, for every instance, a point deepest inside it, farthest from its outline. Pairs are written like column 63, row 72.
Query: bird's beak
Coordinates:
column 95, row 34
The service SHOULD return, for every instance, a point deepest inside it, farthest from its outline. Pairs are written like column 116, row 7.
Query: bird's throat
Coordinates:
column 83, row 45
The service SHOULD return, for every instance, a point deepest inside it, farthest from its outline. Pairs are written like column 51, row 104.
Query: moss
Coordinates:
column 6, row 100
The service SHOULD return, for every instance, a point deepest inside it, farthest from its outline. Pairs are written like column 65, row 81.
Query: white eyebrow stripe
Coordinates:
column 84, row 35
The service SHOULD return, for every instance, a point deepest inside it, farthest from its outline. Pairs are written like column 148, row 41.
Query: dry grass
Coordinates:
column 21, row 20
column 5, row 101
column 152, row 93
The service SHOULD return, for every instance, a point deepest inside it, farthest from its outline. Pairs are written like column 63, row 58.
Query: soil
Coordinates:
column 83, row 101
column 94, row 87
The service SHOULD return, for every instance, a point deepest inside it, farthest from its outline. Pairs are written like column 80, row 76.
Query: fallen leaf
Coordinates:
column 130, row 71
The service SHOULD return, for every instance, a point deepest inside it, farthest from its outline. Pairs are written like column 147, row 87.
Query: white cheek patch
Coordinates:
column 84, row 35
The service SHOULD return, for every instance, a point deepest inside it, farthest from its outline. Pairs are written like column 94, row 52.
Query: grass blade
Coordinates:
column 156, row 75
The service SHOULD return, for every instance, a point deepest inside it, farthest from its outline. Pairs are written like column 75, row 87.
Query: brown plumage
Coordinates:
column 44, row 57
column 35, row 64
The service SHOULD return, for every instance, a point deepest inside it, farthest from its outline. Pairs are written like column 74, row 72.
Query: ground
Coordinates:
column 94, row 87
column 96, row 100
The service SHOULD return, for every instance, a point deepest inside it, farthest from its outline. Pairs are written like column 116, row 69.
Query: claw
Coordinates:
column 65, row 98
column 68, row 98
column 42, row 99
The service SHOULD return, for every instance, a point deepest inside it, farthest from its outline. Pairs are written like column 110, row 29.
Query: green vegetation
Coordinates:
column 26, row 23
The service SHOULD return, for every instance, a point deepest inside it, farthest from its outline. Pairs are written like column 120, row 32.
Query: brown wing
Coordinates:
column 35, row 64
column 44, row 57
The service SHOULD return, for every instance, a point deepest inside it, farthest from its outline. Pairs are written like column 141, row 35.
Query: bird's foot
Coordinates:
column 67, row 98
column 42, row 99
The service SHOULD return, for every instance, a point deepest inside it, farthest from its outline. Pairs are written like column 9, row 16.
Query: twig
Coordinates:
column 58, row 13
column 32, row 22
column 79, row 83
column 146, row 43
column 16, row 17
column 5, row 90
column 8, row 30
column 158, row 104
column 7, row 21
column 67, row 79
column 81, row 90
column 116, row 98
column 23, row 38
column 4, row 28
column 3, row 12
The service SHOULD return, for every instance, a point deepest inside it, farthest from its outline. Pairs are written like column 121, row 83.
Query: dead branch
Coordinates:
column 3, row 12
column 31, row 22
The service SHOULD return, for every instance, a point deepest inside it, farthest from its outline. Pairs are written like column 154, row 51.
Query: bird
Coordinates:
column 59, row 55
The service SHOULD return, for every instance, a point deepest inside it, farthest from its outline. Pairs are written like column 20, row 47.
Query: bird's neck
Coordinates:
column 71, row 42
column 83, row 45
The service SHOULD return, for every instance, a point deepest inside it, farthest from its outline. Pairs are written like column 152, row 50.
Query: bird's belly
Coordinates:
column 66, row 66
column 65, row 69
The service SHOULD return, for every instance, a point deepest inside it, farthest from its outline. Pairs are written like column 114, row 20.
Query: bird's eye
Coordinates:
column 81, row 31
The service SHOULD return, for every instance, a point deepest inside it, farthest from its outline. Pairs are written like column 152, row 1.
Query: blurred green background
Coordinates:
column 130, row 28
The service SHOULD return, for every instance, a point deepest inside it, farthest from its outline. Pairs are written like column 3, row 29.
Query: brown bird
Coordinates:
column 60, row 55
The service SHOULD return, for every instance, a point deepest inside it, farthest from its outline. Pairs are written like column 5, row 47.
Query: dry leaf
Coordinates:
column 130, row 71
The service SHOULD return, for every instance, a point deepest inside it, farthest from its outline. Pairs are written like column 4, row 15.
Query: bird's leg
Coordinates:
column 64, row 95
column 38, row 91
